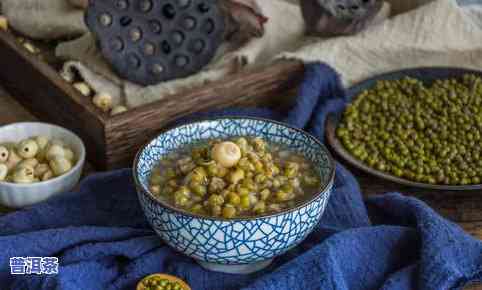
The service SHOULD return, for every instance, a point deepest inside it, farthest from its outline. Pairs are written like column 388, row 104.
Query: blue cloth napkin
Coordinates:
column 103, row 241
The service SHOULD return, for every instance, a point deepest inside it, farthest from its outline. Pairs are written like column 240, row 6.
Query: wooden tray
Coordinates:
column 112, row 141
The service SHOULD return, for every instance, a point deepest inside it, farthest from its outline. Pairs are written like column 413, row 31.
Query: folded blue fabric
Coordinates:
column 103, row 241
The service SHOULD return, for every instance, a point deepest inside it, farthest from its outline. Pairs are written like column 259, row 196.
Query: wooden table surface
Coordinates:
column 460, row 207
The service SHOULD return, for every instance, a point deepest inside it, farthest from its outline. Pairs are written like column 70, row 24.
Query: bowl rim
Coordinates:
column 323, row 189
column 78, row 165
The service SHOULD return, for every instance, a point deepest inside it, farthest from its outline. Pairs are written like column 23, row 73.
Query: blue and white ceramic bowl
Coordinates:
column 237, row 245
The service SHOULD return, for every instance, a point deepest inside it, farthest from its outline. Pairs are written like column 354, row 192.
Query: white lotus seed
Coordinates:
column 31, row 162
column 57, row 142
column 69, row 154
column 31, row 48
column 41, row 169
column 60, row 165
column 54, row 150
column 67, row 76
column 227, row 154
column 3, row 23
column 27, row 148
column 117, row 110
column 3, row 154
column 42, row 142
column 47, row 175
column 24, row 175
column 83, row 88
column 3, row 172
column 13, row 159
column 103, row 101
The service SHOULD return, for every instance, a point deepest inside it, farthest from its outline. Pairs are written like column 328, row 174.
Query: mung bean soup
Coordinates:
column 235, row 177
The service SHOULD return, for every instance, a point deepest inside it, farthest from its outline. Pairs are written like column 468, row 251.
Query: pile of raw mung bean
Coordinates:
column 239, row 177
column 429, row 134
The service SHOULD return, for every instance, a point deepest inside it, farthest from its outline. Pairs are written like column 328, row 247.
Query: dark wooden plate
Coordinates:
column 426, row 75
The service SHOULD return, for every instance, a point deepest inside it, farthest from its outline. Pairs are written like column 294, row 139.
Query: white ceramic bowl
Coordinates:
column 21, row 195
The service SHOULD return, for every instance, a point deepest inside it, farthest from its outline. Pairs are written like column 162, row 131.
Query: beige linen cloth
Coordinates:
column 439, row 33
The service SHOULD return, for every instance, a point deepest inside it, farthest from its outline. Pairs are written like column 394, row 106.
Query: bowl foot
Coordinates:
column 236, row 269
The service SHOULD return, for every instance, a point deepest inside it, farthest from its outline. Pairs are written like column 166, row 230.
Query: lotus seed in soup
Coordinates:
column 236, row 177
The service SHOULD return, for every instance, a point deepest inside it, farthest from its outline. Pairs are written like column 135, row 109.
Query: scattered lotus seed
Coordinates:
column 83, row 88
column 135, row 34
column 27, row 148
column 149, row 49
column 105, row 19
column 103, row 101
column 3, row 172
column 3, row 154
column 31, row 48
column 117, row 110
column 67, row 76
column 3, row 23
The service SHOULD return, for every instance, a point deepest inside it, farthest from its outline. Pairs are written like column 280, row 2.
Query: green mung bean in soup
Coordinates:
column 236, row 177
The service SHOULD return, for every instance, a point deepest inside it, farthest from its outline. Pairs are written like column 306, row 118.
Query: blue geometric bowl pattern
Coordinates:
column 237, row 241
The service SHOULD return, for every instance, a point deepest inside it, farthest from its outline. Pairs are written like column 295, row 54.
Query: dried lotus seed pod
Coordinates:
column 13, row 159
column 69, row 154
column 54, row 150
column 3, row 23
column 3, row 172
column 27, row 148
column 117, row 110
column 42, row 142
column 3, row 154
column 156, row 41
column 103, row 101
column 60, row 165
column 31, row 162
column 47, row 175
column 24, row 175
column 41, row 169
column 83, row 88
